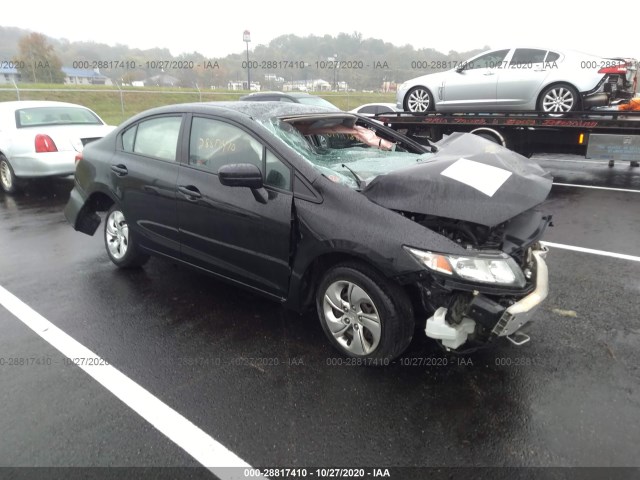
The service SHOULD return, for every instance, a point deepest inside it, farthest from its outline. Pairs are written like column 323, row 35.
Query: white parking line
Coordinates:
column 205, row 449
column 597, row 188
column 622, row 256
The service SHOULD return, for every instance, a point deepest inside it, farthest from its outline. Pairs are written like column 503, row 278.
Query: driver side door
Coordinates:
column 226, row 230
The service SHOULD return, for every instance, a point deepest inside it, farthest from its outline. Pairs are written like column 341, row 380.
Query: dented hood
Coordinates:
column 469, row 178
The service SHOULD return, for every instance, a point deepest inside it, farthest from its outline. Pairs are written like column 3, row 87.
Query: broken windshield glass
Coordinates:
column 328, row 143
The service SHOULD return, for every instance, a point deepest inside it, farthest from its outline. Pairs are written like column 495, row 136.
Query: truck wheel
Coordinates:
column 363, row 314
column 119, row 241
column 558, row 99
column 418, row 99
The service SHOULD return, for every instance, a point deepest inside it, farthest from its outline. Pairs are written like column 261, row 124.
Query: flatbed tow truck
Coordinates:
column 607, row 135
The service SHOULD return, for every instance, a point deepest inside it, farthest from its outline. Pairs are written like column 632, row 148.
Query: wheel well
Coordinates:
column 553, row 85
column 317, row 268
column 490, row 134
column 88, row 220
column 99, row 202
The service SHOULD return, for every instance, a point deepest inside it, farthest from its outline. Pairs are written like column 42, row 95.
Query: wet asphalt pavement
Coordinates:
column 265, row 383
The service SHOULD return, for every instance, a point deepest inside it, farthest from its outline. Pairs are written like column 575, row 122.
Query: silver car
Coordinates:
column 538, row 79
column 42, row 139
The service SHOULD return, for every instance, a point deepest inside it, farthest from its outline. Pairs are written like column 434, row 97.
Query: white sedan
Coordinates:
column 540, row 79
column 43, row 138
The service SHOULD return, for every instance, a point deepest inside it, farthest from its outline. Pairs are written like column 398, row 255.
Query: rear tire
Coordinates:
column 363, row 314
column 488, row 136
column 559, row 99
column 120, row 242
column 8, row 179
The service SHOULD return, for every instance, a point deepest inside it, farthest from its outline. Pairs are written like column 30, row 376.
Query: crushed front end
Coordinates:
column 491, row 292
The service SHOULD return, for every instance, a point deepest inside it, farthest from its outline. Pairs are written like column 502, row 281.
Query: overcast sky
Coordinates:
column 214, row 28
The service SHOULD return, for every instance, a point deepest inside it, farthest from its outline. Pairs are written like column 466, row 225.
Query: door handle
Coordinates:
column 488, row 74
column 540, row 70
column 120, row 170
column 190, row 192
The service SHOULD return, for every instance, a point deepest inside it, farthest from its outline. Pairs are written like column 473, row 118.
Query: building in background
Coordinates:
column 9, row 76
column 80, row 76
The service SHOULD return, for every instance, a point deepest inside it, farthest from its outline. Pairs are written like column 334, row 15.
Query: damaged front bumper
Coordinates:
column 486, row 314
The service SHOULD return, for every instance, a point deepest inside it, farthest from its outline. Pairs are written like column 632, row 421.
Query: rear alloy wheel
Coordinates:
column 8, row 179
column 121, row 247
column 363, row 314
column 418, row 99
column 558, row 99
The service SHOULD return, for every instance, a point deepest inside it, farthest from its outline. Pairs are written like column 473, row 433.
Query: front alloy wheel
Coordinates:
column 363, row 314
column 352, row 317
column 559, row 99
column 418, row 99
column 121, row 248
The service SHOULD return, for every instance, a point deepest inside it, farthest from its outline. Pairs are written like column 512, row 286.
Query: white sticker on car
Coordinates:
column 482, row 177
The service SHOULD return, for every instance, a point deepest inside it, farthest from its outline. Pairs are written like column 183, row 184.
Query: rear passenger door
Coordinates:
column 225, row 230
column 519, row 82
column 144, row 172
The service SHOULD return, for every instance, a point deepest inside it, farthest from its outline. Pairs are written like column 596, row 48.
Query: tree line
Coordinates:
column 362, row 63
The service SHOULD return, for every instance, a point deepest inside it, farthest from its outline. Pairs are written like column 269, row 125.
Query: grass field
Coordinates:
column 115, row 106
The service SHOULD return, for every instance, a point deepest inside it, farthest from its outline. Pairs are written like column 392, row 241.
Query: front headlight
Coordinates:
column 495, row 268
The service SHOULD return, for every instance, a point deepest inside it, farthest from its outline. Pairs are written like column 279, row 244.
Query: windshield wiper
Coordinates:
column 359, row 179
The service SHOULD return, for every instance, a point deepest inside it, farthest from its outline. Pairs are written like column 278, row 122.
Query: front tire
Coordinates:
column 558, row 99
column 121, row 246
column 419, row 99
column 363, row 314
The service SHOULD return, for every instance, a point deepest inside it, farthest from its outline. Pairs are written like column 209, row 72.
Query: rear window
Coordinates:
column 316, row 101
column 39, row 116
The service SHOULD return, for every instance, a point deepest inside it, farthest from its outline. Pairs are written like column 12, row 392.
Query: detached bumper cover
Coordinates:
column 79, row 214
column 522, row 312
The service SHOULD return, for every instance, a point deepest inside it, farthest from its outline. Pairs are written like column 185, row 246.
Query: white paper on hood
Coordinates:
column 482, row 177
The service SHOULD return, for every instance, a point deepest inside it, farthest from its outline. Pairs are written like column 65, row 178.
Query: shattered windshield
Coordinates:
column 342, row 150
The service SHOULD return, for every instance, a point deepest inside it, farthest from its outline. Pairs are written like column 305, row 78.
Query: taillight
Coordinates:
column 45, row 144
column 78, row 157
column 622, row 68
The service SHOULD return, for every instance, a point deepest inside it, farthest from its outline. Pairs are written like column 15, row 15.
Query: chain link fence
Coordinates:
column 115, row 104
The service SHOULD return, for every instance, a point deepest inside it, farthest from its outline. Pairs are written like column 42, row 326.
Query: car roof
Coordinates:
column 238, row 109
column 281, row 94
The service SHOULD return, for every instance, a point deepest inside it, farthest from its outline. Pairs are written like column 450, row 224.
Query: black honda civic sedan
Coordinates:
column 313, row 207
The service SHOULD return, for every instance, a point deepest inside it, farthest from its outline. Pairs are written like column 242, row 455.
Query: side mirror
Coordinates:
column 240, row 175
column 460, row 68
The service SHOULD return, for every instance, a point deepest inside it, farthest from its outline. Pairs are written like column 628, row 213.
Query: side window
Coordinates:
column 527, row 56
column 369, row 109
column 128, row 137
column 278, row 174
column 158, row 138
column 384, row 109
column 214, row 143
column 488, row 60
column 552, row 56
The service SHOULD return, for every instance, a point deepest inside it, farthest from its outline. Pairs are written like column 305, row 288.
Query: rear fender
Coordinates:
column 82, row 214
